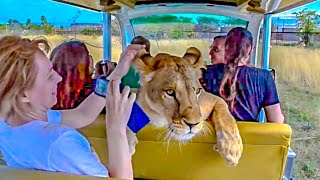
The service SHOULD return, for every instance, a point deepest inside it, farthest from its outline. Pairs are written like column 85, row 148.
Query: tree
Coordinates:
column 44, row 21
column 208, row 20
column 307, row 24
column 208, row 23
column 45, row 25
column 10, row 21
column 73, row 21
column 14, row 24
column 229, row 21
column 28, row 24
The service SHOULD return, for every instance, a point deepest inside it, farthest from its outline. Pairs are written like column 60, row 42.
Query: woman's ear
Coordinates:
column 24, row 98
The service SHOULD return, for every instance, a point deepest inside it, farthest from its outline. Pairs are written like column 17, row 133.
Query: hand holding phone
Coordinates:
column 138, row 118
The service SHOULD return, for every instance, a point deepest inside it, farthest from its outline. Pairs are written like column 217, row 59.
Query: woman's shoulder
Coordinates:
column 219, row 66
column 215, row 70
column 255, row 71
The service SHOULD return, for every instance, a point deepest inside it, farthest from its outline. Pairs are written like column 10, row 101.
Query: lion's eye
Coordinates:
column 170, row 92
column 198, row 90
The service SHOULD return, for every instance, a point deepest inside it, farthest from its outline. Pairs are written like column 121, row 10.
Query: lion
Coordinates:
column 172, row 97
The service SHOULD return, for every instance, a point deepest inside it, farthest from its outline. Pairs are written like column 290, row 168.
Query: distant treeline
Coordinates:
column 14, row 24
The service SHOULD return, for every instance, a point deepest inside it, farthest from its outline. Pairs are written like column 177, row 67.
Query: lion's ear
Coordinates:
column 144, row 65
column 194, row 58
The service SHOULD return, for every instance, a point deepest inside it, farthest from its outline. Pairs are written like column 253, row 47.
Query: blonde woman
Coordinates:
column 35, row 137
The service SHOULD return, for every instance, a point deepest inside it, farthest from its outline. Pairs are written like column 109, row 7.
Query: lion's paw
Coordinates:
column 229, row 145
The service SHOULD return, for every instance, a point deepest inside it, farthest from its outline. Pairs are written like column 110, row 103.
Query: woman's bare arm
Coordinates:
column 274, row 114
column 118, row 110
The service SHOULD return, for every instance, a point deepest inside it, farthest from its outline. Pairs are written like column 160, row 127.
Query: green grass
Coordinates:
column 302, row 112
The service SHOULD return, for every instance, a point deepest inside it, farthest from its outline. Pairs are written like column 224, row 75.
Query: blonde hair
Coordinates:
column 17, row 71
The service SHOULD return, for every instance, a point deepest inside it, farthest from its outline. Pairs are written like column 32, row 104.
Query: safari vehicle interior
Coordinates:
column 266, row 146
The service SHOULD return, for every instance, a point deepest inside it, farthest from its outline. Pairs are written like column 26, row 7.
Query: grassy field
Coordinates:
column 302, row 112
column 298, row 82
column 298, row 67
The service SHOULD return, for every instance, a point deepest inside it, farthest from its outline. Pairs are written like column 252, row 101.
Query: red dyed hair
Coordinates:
column 73, row 63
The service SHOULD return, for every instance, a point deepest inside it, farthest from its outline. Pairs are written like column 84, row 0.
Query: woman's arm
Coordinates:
column 274, row 114
column 90, row 108
column 118, row 110
column 85, row 113
column 271, row 103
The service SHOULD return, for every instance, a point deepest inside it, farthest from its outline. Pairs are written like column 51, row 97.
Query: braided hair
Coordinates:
column 238, row 46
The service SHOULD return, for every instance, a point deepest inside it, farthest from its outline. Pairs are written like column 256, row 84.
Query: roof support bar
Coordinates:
column 265, row 53
column 266, row 41
column 106, row 36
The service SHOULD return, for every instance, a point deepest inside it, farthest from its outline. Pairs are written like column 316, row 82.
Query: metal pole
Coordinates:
column 265, row 52
column 106, row 30
column 266, row 41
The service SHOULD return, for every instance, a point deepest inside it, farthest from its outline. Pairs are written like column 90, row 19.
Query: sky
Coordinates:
column 55, row 12
column 315, row 6
column 61, row 14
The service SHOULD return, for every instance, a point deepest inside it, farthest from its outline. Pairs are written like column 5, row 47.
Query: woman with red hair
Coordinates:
column 74, row 64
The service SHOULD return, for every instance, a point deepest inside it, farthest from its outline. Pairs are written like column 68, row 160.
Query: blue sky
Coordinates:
column 54, row 11
column 58, row 13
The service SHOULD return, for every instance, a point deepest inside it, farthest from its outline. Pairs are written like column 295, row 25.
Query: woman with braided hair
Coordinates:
column 246, row 89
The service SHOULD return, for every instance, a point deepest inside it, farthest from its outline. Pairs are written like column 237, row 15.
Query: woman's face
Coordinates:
column 43, row 94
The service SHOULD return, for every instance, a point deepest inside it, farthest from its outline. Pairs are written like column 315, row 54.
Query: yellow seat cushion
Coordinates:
column 264, row 156
column 8, row 173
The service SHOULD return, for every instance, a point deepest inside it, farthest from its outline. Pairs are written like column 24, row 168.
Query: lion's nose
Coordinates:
column 191, row 125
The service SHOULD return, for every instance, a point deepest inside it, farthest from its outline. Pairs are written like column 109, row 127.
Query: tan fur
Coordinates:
column 163, row 74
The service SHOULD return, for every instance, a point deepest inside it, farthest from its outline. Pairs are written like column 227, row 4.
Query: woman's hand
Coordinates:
column 118, row 110
column 125, row 61
column 118, row 106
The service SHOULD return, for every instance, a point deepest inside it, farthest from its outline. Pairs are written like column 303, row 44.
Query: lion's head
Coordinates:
column 170, row 92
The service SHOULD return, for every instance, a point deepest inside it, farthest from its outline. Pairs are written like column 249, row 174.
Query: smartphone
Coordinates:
column 138, row 118
column 131, row 79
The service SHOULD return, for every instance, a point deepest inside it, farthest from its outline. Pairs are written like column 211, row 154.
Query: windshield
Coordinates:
column 174, row 33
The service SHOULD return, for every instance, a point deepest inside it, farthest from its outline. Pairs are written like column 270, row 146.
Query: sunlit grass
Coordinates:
column 179, row 47
column 298, row 67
